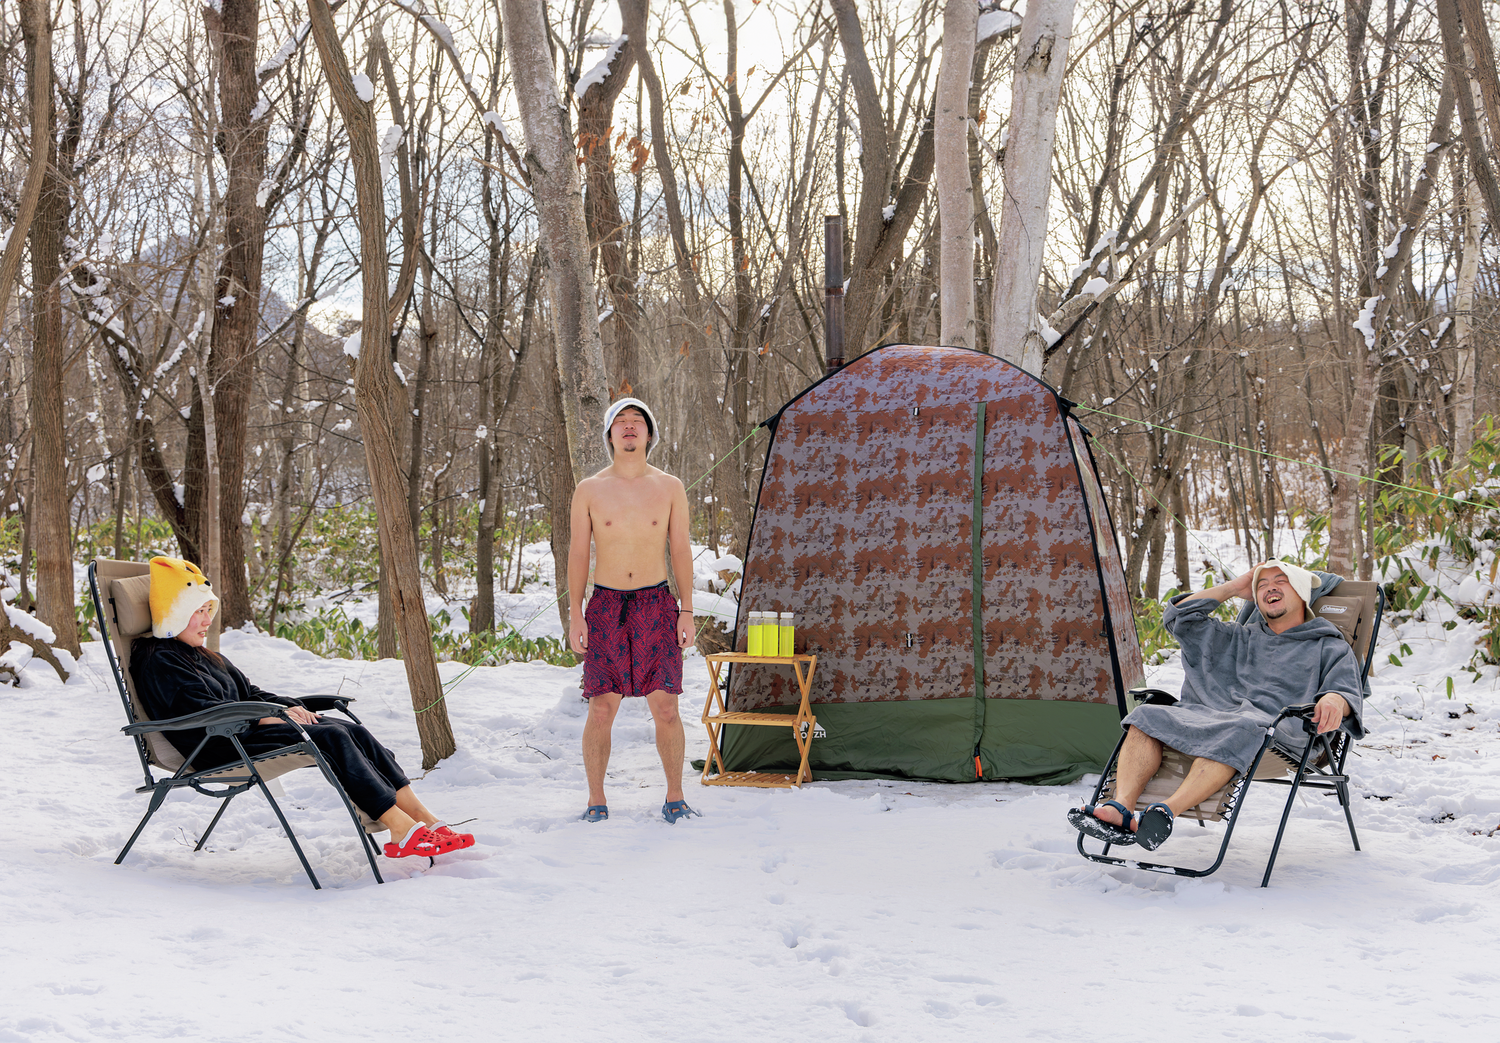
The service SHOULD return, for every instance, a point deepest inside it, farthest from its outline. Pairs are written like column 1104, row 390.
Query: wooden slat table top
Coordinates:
column 784, row 720
column 745, row 657
column 762, row 779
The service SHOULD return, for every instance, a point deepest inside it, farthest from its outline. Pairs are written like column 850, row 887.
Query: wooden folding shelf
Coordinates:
column 715, row 716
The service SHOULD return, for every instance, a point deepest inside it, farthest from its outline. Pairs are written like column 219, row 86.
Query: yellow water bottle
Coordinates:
column 753, row 643
column 787, row 633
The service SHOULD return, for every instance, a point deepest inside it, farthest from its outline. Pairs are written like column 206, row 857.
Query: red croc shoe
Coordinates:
column 449, row 840
column 420, row 841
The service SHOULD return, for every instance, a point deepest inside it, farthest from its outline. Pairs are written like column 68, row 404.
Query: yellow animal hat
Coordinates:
column 178, row 589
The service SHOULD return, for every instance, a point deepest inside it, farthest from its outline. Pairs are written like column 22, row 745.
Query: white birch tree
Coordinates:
column 552, row 162
column 1041, row 57
column 951, row 172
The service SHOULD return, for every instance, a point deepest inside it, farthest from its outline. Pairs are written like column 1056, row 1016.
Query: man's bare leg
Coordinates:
column 1138, row 761
column 596, row 741
column 670, row 742
column 1204, row 779
column 1140, row 757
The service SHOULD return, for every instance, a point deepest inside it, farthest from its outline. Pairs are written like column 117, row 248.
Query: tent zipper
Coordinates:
column 976, row 549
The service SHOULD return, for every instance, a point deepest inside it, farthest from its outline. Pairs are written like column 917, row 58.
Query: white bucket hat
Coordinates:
column 652, row 433
column 1301, row 580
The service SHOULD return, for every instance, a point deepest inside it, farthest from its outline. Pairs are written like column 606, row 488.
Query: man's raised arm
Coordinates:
column 1238, row 587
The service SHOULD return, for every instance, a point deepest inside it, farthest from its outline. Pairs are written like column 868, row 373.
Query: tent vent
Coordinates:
column 915, row 410
column 909, row 639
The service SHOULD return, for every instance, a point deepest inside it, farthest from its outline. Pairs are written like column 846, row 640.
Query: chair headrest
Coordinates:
column 132, row 599
column 1342, row 612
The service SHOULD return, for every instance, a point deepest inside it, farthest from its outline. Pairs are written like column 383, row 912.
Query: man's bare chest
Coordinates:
column 630, row 515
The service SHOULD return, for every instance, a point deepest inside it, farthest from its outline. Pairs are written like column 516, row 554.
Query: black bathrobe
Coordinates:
column 174, row 679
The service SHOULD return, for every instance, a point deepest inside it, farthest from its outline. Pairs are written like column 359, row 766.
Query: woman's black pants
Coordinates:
column 368, row 771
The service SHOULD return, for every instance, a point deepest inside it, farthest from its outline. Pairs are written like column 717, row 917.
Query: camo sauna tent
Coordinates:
column 934, row 519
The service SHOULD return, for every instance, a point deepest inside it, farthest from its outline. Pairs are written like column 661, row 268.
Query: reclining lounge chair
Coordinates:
column 120, row 590
column 1355, row 608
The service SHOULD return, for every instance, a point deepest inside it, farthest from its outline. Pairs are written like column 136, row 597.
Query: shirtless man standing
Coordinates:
column 634, row 632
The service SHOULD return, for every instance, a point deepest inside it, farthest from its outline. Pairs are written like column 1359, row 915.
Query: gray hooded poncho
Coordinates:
column 1237, row 678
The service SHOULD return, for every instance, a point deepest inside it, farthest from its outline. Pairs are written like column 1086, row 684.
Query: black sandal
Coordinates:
column 1084, row 820
column 1155, row 827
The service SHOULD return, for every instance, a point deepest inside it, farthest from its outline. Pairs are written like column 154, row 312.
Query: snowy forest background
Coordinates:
column 1271, row 235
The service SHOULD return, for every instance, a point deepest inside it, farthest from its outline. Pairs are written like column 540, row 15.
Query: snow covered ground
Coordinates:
column 846, row 911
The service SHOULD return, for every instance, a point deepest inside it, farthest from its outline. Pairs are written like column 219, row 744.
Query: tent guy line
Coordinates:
column 1457, row 500
column 1179, row 522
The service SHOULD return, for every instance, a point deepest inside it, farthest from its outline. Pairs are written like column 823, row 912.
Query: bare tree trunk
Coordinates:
column 1156, row 554
column 489, row 514
column 387, row 640
column 482, row 608
column 738, row 481
column 1041, row 57
column 878, row 239
column 553, row 164
column 292, row 421
column 237, row 292
column 437, row 531
column 201, row 483
column 1461, row 394
column 48, row 504
column 601, row 207
column 634, row 14
column 211, row 548
column 122, row 487
column 377, row 394
column 1470, row 54
column 36, row 26
column 1353, row 454
column 560, row 503
column 1180, row 538
column 418, row 447
column 951, row 168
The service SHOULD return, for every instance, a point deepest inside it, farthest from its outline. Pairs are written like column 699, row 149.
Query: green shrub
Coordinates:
column 336, row 552
column 333, row 634
column 143, row 541
column 493, row 647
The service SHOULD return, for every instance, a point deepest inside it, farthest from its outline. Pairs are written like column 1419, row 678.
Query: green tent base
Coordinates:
column 1037, row 741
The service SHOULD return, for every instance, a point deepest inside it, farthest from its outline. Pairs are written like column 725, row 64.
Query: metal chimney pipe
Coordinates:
column 833, row 291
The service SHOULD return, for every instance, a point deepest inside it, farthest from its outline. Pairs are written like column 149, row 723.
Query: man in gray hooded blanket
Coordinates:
column 1236, row 678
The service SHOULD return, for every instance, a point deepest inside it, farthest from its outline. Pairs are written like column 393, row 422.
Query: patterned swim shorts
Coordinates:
column 632, row 642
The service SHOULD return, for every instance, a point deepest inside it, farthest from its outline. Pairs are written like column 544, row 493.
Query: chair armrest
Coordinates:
column 224, row 713
column 318, row 703
column 1154, row 697
column 1302, row 712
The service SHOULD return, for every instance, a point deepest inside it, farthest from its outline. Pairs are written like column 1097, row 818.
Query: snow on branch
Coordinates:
column 1111, row 280
column 1365, row 323
column 283, row 53
column 389, row 143
column 997, row 23
column 440, row 32
column 600, row 72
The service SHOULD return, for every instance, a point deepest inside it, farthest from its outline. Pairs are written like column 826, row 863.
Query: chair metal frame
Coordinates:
column 230, row 721
column 1321, row 770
